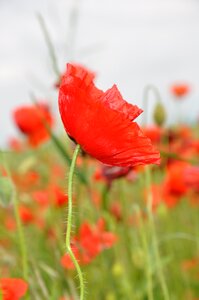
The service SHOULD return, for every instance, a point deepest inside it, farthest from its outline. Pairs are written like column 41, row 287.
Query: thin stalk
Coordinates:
column 49, row 45
column 69, row 222
column 22, row 242
column 127, row 241
column 73, row 25
column 149, row 88
column 162, row 280
column 148, row 270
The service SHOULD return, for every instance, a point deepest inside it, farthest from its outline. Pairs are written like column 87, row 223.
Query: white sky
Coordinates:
column 128, row 42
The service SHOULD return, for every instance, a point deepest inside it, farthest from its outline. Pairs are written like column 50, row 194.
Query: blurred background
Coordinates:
column 132, row 43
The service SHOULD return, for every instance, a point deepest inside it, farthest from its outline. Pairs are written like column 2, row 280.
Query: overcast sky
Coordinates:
column 128, row 42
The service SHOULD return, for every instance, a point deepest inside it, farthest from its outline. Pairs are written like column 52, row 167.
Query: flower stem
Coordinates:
column 162, row 280
column 148, row 271
column 49, row 44
column 22, row 242
column 21, row 238
column 69, row 222
column 156, row 93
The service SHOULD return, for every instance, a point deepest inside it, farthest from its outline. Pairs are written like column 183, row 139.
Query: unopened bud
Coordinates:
column 159, row 114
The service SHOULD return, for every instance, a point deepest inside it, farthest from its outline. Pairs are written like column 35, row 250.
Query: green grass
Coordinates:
column 119, row 273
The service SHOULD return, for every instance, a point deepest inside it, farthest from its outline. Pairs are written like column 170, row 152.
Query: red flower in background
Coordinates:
column 15, row 144
column 180, row 90
column 53, row 194
column 154, row 133
column 90, row 242
column 26, row 214
column 191, row 177
column 59, row 196
column 175, row 183
column 109, row 173
column 174, row 186
column 102, row 122
column 13, row 288
column 31, row 121
column 27, row 181
column 41, row 197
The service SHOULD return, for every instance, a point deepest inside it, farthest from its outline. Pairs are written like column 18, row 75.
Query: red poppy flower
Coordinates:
column 10, row 223
column 52, row 195
column 59, row 196
column 41, row 197
column 180, row 90
column 29, row 180
column 102, row 122
column 191, row 176
column 175, row 181
column 26, row 214
column 15, row 144
column 154, row 133
column 13, row 288
column 31, row 121
column 81, row 71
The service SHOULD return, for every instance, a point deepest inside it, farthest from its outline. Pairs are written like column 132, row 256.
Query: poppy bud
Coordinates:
column 159, row 114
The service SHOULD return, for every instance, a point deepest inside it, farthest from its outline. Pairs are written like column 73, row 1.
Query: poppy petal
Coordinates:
column 105, row 133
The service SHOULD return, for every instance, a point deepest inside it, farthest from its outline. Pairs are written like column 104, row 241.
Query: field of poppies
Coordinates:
column 109, row 212
column 106, row 208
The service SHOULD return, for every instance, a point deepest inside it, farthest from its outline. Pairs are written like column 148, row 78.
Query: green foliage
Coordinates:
column 6, row 191
column 118, row 273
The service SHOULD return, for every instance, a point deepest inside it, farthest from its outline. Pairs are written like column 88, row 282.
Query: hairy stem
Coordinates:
column 69, row 222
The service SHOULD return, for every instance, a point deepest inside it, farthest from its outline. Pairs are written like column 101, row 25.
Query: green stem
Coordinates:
column 147, row 90
column 148, row 270
column 153, row 230
column 21, row 238
column 22, row 242
column 126, row 236
column 72, row 34
column 49, row 45
column 105, row 197
column 69, row 222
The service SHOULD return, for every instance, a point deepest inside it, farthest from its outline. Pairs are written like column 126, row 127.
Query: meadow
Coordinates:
column 134, row 229
column 107, row 210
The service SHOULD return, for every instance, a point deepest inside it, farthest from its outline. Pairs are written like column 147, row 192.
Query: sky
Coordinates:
column 131, row 43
